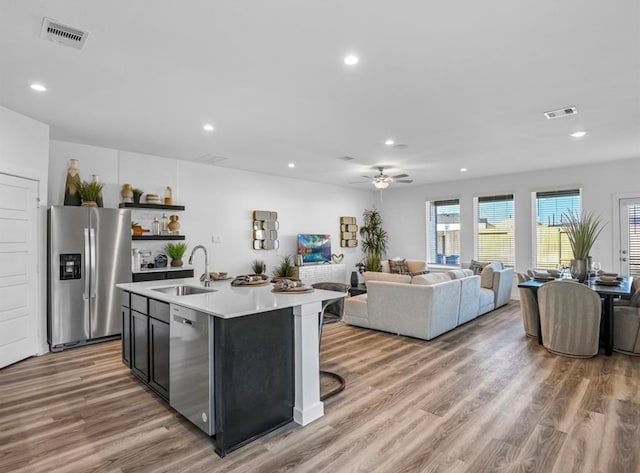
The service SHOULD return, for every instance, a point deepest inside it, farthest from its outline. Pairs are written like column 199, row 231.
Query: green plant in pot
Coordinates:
column 582, row 230
column 373, row 239
column 176, row 251
column 89, row 192
column 137, row 193
column 285, row 268
column 258, row 267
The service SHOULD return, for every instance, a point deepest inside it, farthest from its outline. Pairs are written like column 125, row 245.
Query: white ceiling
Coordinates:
column 462, row 83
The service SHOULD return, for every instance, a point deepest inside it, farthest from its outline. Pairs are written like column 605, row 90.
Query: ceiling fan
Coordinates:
column 382, row 181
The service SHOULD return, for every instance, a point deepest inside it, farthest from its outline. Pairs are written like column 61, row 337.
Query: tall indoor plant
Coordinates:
column 374, row 240
column 583, row 231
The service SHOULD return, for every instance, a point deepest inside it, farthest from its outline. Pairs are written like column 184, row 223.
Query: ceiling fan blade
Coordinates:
column 400, row 176
column 359, row 182
column 404, row 181
column 370, row 177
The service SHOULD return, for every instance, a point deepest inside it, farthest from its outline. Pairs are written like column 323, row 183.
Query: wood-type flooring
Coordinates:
column 482, row 398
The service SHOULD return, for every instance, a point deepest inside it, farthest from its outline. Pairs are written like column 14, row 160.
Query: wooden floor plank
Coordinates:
column 482, row 398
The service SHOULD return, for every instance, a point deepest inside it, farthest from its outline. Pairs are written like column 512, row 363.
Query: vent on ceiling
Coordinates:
column 346, row 158
column 210, row 159
column 63, row 34
column 561, row 112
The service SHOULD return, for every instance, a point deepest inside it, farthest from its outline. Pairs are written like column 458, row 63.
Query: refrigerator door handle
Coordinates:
column 93, row 263
column 87, row 264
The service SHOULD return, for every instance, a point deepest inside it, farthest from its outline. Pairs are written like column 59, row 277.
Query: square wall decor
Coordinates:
column 348, row 232
column 265, row 230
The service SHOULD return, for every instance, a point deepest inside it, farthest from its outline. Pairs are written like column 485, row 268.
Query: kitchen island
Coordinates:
column 262, row 367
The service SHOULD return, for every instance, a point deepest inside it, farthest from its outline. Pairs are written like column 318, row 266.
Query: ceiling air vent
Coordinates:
column 66, row 35
column 210, row 159
column 561, row 112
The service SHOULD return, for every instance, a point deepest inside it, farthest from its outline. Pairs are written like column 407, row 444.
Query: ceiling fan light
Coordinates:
column 381, row 184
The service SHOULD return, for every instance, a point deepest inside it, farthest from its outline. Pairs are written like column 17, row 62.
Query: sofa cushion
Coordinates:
column 460, row 273
column 355, row 311
column 486, row 277
column 487, row 301
column 378, row 276
column 417, row 266
column 430, row 279
column 399, row 266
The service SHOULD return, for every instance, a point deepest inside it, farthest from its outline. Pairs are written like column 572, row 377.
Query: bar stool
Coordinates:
column 332, row 312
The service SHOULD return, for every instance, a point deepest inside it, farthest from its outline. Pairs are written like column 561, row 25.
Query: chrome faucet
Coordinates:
column 207, row 278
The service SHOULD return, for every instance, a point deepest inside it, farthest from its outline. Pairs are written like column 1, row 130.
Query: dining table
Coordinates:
column 608, row 292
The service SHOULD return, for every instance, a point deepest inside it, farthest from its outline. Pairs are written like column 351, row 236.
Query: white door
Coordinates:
column 630, row 236
column 18, row 248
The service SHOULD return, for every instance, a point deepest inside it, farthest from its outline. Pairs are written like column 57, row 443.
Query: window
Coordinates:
column 552, row 244
column 495, row 229
column 444, row 232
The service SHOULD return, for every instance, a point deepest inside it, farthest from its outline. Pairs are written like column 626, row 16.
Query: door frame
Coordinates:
column 616, row 247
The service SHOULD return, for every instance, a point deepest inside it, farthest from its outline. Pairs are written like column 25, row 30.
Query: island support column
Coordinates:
column 308, row 406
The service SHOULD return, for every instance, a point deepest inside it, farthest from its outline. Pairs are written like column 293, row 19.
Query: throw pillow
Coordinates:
column 477, row 266
column 398, row 266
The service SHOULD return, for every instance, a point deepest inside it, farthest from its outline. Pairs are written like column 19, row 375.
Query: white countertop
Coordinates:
column 228, row 301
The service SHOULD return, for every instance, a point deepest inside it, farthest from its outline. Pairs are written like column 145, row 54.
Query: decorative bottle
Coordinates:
column 155, row 226
column 99, row 201
column 168, row 196
column 127, row 193
column 164, row 225
column 174, row 225
column 71, row 196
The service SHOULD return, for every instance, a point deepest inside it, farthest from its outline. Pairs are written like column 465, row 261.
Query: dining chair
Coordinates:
column 626, row 324
column 528, row 308
column 570, row 318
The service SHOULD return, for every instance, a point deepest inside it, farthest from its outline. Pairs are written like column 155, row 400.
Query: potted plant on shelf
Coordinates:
column 89, row 192
column 176, row 252
column 285, row 269
column 583, row 231
column 374, row 240
column 137, row 193
column 258, row 267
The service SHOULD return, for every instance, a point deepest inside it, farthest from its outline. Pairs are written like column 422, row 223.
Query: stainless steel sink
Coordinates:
column 183, row 290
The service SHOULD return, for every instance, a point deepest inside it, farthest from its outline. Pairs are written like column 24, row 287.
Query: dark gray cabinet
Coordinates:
column 145, row 340
column 140, row 345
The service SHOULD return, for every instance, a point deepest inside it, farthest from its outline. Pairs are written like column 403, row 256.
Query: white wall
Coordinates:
column 24, row 152
column 219, row 201
column 404, row 210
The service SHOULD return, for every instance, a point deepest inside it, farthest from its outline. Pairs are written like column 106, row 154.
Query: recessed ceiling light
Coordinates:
column 578, row 134
column 351, row 60
column 38, row 87
column 389, row 142
column 291, row 165
column 208, row 127
column 463, row 169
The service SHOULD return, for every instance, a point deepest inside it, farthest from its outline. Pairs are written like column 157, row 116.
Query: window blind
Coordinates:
column 495, row 230
column 444, row 232
column 552, row 243
column 634, row 240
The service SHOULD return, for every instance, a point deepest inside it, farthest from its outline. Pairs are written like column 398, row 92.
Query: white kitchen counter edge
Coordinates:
column 227, row 301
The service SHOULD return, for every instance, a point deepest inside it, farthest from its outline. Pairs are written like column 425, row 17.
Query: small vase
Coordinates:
column 354, row 279
column 176, row 263
column 71, row 196
column 127, row 193
column 99, row 201
column 578, row 268
column 136, row 198
column 174, row 224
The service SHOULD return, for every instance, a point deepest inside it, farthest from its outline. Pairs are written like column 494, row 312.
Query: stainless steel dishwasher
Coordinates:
column 191, row 379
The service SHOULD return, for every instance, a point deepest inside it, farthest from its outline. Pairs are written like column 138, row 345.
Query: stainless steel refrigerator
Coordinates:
column 89, row 252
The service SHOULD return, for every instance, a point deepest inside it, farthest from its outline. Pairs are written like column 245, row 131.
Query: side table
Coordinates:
column 359, row 289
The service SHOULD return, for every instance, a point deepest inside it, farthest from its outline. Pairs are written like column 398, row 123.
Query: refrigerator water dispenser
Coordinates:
column 70, row 266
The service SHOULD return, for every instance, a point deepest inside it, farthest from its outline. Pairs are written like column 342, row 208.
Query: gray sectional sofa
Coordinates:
column 427, row 305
